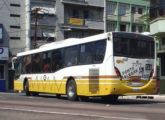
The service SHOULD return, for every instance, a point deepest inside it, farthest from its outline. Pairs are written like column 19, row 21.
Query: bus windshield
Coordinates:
column 134, row 48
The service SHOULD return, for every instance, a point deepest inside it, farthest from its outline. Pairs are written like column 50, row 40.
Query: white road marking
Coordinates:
column 73, row 114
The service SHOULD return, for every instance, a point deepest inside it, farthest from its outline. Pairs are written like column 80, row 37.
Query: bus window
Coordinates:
column 86, row 53
column 28, row 64
column 17, row 67
column 99, row 51
column 121, row 46
column 130, row 47
column 57, row 60
column 36, row 63
column 46, row 57
column 71, row 56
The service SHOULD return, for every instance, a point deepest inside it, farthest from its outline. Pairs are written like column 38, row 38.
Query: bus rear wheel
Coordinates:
column 72, row 90
column 26, row 88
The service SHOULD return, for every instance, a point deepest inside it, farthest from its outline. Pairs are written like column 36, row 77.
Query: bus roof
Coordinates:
column 76, row 41
column 64, row 43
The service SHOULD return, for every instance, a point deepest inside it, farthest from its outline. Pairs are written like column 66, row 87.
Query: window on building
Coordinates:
column 2, row 72
column 15, row 5
column 140, row 10
column 111, row 26
column 86, row 14
column 161, row 12
column 163, row 41
column 133, row 28
column 14, row 15
column 123, row 9
column 111, row 8
column 133, row 9
column 76, row 13
column 15, row 27
column 122, row 27
column 15, row 38
column 74, row 34
column 140, row 28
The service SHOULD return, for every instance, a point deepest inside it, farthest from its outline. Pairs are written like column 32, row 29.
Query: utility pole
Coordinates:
column 35, row 27
column 105, row 16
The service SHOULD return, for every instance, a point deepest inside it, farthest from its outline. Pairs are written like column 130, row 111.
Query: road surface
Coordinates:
column 14, row 106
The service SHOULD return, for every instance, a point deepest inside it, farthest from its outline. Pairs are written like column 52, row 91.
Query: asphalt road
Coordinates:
column 14, row 106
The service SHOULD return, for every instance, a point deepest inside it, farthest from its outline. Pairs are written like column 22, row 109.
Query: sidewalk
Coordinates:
column 160, row 97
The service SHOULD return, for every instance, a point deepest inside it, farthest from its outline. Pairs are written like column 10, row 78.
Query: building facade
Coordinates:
column 157, row 18
column 12, row 16
column 79, row 18
column 127, row 15
column 4, row 46
column 42, row 21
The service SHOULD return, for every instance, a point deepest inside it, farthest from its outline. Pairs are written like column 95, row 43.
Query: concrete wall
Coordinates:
column 99, row 3
column 16, row 45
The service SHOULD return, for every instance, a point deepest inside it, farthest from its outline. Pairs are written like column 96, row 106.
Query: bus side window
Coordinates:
column 17, row 66
column 22, row 65
column 46, row 62
column 36, row 64
column 28, row 64
column 71, row 56
column 99, row 51
column 86, row 53
column 57, row 60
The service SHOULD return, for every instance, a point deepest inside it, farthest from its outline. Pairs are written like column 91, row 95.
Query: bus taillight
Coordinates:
column 118, row 73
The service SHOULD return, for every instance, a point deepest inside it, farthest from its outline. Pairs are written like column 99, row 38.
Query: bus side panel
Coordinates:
column 18, row 85
column 47, row 84
column 99, row 79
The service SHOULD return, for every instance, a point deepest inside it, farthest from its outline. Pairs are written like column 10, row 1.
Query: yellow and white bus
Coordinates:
column 109, row 64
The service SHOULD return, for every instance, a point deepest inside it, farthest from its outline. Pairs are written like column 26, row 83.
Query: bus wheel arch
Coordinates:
column 26, row 87
column 71, row 89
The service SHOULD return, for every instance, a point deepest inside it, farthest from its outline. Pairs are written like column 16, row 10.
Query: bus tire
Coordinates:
column 71, row 90
column 58, row 95
column 26, row 88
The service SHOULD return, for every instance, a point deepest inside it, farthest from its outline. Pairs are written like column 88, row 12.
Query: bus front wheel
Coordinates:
column 71, row 90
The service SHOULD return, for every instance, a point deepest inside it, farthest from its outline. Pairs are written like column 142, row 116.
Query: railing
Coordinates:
column 80, row 21
column 74, row 1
